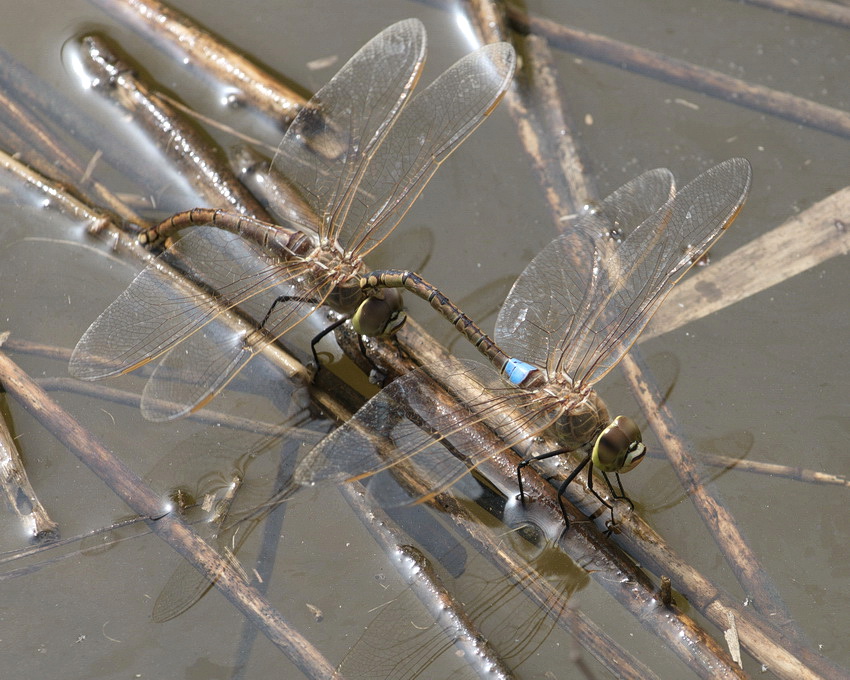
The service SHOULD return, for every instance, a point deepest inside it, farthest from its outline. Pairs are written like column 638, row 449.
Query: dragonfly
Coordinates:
column 357, row 156
column 569, row 318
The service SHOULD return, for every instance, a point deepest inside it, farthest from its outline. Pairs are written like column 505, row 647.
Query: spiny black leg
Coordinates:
column 543, row 456
column 315, row 341
column 277, row 301
column 618, row 496
column 599, row 498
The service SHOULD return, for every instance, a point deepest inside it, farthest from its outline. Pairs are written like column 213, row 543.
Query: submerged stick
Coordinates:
column 562, row 197
column 817, row 234
column 684, row 74
column 205, row 52
column 54, row 160
column 20, row 495
column 196, row 155
column 145, row 502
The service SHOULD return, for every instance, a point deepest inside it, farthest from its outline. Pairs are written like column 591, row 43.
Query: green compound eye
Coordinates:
column 619, row 448
column 380, row 314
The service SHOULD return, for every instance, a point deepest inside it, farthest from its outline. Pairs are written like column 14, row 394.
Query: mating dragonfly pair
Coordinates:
column 561, row 329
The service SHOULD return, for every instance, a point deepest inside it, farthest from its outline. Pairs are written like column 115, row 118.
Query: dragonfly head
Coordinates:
column 380, row 314
column 619, row 447
column 581, row 423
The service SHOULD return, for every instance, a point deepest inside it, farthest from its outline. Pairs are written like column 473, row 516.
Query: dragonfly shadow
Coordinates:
column 408, row 639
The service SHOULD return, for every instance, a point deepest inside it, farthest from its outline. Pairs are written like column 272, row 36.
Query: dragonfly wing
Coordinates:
column 626, row 282
column 623, row 211
column 323, row 149
column 403, row 641
column 650, row 261
column 403, row 423
column 516, row 612
column 158, row 309
column 434, row 124
column 544, row 307
column 193, row 372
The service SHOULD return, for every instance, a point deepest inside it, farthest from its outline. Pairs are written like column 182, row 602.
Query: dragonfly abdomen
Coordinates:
column 282, row 241
column 396, row 278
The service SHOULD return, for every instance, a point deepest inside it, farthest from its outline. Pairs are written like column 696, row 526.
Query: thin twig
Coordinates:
column 144, row 501
column 700, row 79
column 198, row 159
column 205, row 52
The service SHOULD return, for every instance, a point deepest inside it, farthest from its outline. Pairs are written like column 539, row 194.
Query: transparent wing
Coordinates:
column 325, row 147
column 622, row 212
column 402, row 423
column 158, row 310
column 546, row 298
column 406, row 639
column 589, row 324
column 403, row 641
column 434, row 124
column 191, row 373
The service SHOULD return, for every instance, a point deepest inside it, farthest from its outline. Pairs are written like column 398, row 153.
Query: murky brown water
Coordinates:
column 774, row 366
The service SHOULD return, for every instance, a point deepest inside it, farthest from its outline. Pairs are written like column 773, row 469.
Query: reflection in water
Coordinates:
column 227, row 531
column 409, row 638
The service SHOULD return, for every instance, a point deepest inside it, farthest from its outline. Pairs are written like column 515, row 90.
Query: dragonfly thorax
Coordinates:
column 582, row 421
column 291, row 244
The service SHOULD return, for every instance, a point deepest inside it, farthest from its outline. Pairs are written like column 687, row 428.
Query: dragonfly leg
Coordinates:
column 557, row 452
column 526, row 461
column 618, row 496
column 611, row 523
column 278, row 300
column 294, row 298
column 321, row 334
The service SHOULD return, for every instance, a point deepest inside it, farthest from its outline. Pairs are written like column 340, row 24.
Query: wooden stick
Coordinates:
column 681, row 73
column 64, row 166
column 197, row 157
column 144, row 501
column 20, row 495
column 60, row 113
column 60, row 199
column 206, row 52
column 563, row 199
column 729, row 537
column 816, row 10
column 804, row 241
